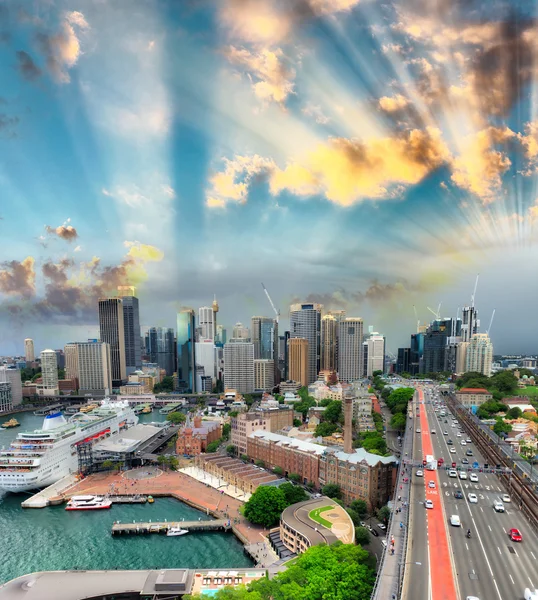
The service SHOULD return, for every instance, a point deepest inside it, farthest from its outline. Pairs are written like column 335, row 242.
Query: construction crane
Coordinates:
column 491, row 322
column 416, row 317
column 277, row 312
column 437, row 314
column 473, row 297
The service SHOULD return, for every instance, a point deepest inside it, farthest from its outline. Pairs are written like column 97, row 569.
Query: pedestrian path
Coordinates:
column 217, row 483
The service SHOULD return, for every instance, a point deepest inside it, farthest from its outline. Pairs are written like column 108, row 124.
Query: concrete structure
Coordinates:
column 461, row 357
column 240, row 332
column 29, row 352
column 12, row 375
column 375, row 354
column 264, row 335
column 362, row 411
column 205, row 357
column 298, row 357
column 470, row 397
column 6, row 403
column 206, row 322
column 264, row 374
column 194, row 437
column 112, row 332
column 95, row 369
column 131, row 322
column 49, row 373
column 305, row 322
column 239, row 366
column 160, row 348
column 350, row 347
column 469, row 323
column 71, row 362
column 329, row 340
column 221, row 335
column 186, row 355
column 259, row 419
column 289, row 386
column 479, row 354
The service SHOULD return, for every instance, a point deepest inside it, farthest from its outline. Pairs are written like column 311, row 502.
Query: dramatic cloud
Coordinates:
column 65, row 232
column 18, row 278
column 393, row 103
column 529, row 141
column 314, row 111
column 26, row 66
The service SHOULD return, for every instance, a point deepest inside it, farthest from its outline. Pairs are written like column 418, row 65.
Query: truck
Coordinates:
column 431, row 463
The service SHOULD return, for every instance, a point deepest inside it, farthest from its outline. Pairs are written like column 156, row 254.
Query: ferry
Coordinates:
column 88, row 503
column 39, row 458
column 10, row 423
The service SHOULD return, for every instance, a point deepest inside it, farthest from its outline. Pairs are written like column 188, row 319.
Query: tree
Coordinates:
column 226, row 430
column 383, row 514
column 259, row 463
column 297, row 422
column 325, row 429
column 107, row 464
column 377, row 373
column 386, row 392
column 244, row 457
column 231, row 450
column 362, row 536
column 233, row 413
column 293, row 493
column 502, row 427
column 176, row 418
column 295, row 477
column 505, row 382
column 398, row 421
column 514, row 413
column 173, row 462
column 360, row 507
column 249, row 400
column 161, row 459
column 325, row 402
column 213, row 446
column 265, row 506
column 354, row 516
column 332, row 490
column 278, row 471
column 333, row 412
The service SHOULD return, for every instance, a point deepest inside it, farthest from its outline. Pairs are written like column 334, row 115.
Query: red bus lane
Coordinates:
column 443, row 586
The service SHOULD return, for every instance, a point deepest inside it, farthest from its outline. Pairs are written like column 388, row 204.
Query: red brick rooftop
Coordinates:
column 474, row 390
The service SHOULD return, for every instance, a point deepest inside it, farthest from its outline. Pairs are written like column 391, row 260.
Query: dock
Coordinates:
column 160, row 527
column 51, row 495
column 137, row 499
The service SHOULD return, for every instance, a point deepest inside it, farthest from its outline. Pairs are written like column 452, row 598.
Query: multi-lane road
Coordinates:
column 489, row 565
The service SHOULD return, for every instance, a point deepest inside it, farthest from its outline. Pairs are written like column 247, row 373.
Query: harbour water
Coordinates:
column 55, row 539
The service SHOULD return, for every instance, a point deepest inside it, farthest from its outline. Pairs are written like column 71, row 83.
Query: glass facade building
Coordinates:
column 186, row 330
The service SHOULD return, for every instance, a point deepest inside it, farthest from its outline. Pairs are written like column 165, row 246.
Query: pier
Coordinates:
column 136, row 499
column 162, row 527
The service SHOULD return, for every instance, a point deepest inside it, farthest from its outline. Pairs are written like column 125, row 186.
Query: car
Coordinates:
column 472, row 598
column 446, row 421
column 531, row 594
column 463, row 475
column 455, row 521
column 384, row 542
column 374, row 532
column 452, row 473
column 498, row 506
column 515, row 535
column 473, row 499
column 458, row 494
column 420, row 473
column 458, row 434
column 469, row 453
column 449, row 442
column 506, row 498
column 370, row 529
column 452, row 450
column 445, row 432
column 418, row 430
column 381, row 526
column 469, row 441
column 474, row 477
column 433, row 430
column 463, row 443
column 431, row 484
column 428, row 504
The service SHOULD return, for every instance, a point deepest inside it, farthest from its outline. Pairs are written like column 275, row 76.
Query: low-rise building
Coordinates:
column 194, row 438
column 289, row 386
column 265, row 417
column 472, row 397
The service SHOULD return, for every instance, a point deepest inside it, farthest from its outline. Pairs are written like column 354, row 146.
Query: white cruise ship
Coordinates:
column 39, row 458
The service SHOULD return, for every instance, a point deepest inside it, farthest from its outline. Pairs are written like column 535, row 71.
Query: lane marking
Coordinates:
column 532, row 554
column 489, row 526
column 499, row 550
column 532, row 584
column 513, row 582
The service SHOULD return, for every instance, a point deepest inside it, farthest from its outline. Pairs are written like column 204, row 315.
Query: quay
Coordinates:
column 162, row 527
column 137, row 499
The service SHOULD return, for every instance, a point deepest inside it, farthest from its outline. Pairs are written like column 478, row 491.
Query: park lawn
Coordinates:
column 315, row 515
column 530, row 390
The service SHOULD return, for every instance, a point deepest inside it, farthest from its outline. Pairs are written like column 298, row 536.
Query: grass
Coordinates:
column 315, row 515
column 530, row 390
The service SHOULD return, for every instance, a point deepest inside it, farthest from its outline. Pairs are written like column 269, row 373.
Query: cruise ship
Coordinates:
column 39, row 458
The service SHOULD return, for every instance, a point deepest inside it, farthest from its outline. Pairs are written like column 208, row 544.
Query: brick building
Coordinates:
column 470, row 397
column 193, row 439
column 267, row 418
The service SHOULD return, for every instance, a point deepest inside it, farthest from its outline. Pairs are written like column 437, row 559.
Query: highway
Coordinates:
column 489, row 565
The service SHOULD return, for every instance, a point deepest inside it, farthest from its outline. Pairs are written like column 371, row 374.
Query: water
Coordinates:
column 55, row 539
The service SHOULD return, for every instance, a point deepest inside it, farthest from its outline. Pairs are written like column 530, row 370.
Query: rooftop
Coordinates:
column 128, row 441
column 473, row 391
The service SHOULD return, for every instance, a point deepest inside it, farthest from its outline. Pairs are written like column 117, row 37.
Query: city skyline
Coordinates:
column 380, row 188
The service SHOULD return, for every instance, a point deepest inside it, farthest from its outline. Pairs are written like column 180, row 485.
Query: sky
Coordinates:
column 369, row 155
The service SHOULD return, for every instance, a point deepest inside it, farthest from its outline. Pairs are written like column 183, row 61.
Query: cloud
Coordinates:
column 393, row 103
column 329, row 7
column 26, row 66
column 65, row 232
column 77, row 249
column 271, row 80
column 315, row 111
column 529, row 141
column 18, row 278
column 143, row 252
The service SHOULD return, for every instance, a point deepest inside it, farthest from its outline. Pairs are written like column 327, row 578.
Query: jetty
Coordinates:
column 51, row 495
column 169, row 408
column 136, row 499
column 162, row 527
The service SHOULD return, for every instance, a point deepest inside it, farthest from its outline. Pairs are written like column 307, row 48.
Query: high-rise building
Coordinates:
column 60, row 359
column 329, row 337
column 239, row 366
column 435, row 345
column 49, row 373
column 12, row 375
column 469, row 323
column 403, row 361
column 151, row 344
column 71, row 361
column 6, row 402
column 240, row 332
column 29, row 352
column 205, row 357
column 131, row 326
column 350, row 339
column 264, row 374
column 160, row 348
column 375, row 353
column 112, row 328
column 305, row 322
column 263, row 337
column 283, row 361
column 417, row 353
column 298, row 356
column 94, row 368
column 479, row 354
column 461, row 357
column 206, row 322
column 186, row 363
column 221, row 335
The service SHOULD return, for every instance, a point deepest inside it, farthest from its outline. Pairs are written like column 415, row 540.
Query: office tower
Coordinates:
column 12, row 375
column 29, row 353
column 262, row 334
column 469, row 323
column 435, row 345
column 240, row 332
column 221, row 335
column 131, row 326
column 186, row 363
column 264, row 374
column 329, row 336
column 71, row 361
column 94, row 368
column 461, row 357
column 375, row 360
column 215, row 307
column 298, row 364
column 60, row 359
column 49, row 373
column 112, row 328
column 206, row 323
column 403, row 361
column 305, row 322
column 479, row 354
column 151, row 344
column 417, row 353
column 350, row 339
column 283, row 361
column 205, row 357
column 165, row 349
column 6, row 402
column 239, row 366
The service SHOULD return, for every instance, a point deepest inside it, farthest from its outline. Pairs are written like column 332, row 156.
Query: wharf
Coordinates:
column 162, row 527
column 137, row 499
column 51, row 495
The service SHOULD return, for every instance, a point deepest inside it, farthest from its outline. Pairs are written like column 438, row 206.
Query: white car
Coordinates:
column 418, row 430
column 458, row 434
column 469, row 441
column 384, row 542
column 428, row 504
column 431, row 484
column 445, row 432
column 472, row 598
column 474, row 477
column 531, row 594
column 463, row 475
column 420, row 473
column 463, row 443
column 473, row 499
column 498, row 506
column 433, row 430
column 455, row 521
column 452, row 450
column 506, row 498
column 452, row 473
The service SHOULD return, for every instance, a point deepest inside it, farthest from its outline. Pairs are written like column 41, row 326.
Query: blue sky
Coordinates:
column 368, row 155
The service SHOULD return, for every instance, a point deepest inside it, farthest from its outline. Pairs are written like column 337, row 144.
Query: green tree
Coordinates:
column 107, row 464
column 233, row 413
column 386, row 392
column 360, row 507
column 213, row 446
column 244, row 457
column 332, row 490
column 226, row 431
column 333, row 412
column 297, row 422
column 383, row 514
column 161, row 459
column 325, row 429
column 176, row 417
column 231, row 450
column 505, row 382
column 278, row 471
column 265, row 506
column 295, row 477
column 354, row 516
column 377, row 374
column 502, row 427
column 249, row 400
column 293, row 493
column 259, row 463
column 173, row 462
column 362, row 536
column 514, row 413
column 398, row 421
column 325, row 402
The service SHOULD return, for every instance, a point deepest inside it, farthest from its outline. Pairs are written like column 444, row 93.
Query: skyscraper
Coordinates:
column 49, row 373
column 240, row 332
column 239, row 366
column 298, row 357
column 112, row 328
column 94, row 368
column 479, row 354
column 283, row 361
column 350, row 359
column 205, row 357
column 60, row 359
column 376, row 353
column 186, row 363
column 12, row 375
column 329, row 336
column 221, row 335
column 263, row 337
column 264, row 374
column 6, row 402
column 71, row 361
column 435, row 345
column 131, row 326
column 165, row 349
column 469, row 323
column 403, row 361
column 29, row 353
column 305, row 322
column 416, row 356
column 206, row 322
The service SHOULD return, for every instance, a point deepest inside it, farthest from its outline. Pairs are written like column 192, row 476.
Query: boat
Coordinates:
column 146, row 410
column 10, row 423
column 88, row 503
column 151, row 499
column 175, row 531
column 39, row 458
column 88, row 408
